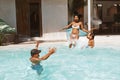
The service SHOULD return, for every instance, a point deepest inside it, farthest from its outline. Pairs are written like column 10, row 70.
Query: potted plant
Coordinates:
column 2, row 36
column 7, row 33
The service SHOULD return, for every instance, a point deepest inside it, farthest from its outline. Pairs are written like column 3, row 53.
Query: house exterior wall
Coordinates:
column 106, row 6
column 8, row 12
column 54, row 15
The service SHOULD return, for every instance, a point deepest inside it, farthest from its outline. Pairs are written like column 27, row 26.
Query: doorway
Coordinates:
column 35, row 25
column 28, row 18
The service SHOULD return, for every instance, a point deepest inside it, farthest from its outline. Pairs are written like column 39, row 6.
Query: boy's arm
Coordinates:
column 37, row 44
column 51, row 51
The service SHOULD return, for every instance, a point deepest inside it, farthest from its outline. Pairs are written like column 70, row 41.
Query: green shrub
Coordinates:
column 5, row 29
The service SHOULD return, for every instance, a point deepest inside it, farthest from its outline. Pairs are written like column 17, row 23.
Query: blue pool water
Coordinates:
column 99, row 63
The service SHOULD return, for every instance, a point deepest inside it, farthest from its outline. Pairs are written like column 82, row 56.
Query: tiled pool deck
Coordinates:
column 60, row 38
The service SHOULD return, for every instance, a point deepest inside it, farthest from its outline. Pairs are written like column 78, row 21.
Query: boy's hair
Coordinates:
column 92, row 34
column 35, row 51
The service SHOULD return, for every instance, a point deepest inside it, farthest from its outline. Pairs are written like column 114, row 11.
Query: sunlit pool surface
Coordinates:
column 99, row 63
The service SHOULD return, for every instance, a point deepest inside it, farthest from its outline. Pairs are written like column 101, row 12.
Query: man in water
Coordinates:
column 35, row 58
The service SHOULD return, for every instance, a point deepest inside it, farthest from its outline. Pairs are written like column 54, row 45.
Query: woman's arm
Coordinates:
column 68, row 26
column 82, row 27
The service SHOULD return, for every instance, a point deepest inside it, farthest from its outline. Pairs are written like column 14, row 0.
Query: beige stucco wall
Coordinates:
column 8, row 12
column 54, row 15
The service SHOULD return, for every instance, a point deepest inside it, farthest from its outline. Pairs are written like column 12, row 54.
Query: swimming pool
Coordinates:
column 99, row 63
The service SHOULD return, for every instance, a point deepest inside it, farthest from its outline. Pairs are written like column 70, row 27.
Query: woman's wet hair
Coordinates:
column 79, row 15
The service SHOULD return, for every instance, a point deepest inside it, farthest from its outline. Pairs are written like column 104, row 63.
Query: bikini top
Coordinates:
column 76, row 27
